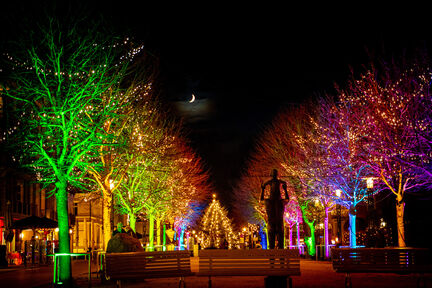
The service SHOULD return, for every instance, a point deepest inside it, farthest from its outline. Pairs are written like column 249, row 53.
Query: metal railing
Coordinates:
column 56, row 274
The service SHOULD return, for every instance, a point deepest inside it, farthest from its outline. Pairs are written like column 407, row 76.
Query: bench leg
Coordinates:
column 289, row 282
column 421, row 281
column 209, row 282
column 118, row 283
column 182, row 281
column 348, row 283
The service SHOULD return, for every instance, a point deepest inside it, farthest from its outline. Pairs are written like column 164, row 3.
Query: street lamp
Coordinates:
column 371, row 201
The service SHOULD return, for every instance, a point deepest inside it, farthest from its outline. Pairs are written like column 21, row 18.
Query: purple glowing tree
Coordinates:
column 395, row 102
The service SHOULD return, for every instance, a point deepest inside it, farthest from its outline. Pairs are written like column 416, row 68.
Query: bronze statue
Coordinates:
column 275, row 208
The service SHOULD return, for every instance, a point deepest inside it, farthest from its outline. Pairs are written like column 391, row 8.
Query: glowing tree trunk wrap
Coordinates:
column 151, row 220
column 264, row 238
column 158, row 232
column 132, row 221
column 290, row 235
column 400, row 209
column 164, row 237
column 106, row 218
column 64, row 236
column 181, row 239
column 352, row 230
column 309, row 241
column 298, row 235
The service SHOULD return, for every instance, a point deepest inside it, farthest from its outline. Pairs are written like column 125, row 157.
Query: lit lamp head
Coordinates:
column 338, row 192
column 369, row 182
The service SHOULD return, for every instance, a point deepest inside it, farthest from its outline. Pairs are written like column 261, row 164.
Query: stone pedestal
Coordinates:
column 276, row 282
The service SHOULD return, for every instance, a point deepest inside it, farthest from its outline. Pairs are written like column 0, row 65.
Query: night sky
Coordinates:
column 244, row 63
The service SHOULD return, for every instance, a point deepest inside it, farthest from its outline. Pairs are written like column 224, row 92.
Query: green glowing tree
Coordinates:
column 144, row 158
column 58, row 80
column 112, row 169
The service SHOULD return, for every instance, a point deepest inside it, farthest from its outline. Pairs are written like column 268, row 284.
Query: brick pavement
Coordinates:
column 313, row 274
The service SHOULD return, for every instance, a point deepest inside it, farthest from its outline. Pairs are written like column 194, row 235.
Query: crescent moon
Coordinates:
column 193, row 98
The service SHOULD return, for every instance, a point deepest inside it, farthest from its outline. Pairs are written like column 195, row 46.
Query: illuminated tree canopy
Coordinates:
column 58, row 80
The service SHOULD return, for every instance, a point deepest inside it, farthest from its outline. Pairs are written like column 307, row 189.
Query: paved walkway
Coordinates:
column 313, row 274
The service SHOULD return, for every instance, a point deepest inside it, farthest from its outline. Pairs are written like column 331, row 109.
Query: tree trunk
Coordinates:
column 158, row 232
column 298, row 236
column 151, row 232
column 64, row 263
column 290, row 235
column 181, row 239
column 132, row 221
column 106, row 217
column 309, row 241
column 326, row 233
column 352, row 230
column 400, row 209
column 164, row 237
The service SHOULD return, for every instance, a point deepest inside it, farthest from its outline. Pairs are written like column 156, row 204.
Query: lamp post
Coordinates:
column 338, row 217
column 371, row 202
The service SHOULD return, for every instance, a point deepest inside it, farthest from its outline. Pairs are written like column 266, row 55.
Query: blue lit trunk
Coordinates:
column 263, row 236
column 180, row 238
column 352, row 231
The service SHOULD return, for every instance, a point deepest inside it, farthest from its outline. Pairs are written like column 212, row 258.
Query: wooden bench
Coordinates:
column 141, row 265
column 382, row 260
column 254, row 262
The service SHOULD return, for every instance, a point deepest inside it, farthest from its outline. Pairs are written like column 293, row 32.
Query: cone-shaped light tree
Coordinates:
column 216, row 227
column 57, row 82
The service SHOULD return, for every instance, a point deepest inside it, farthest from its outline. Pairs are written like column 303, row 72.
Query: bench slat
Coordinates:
column 249, row 262
column 388, row 260
column 148, row 264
